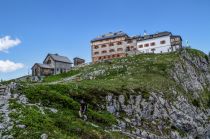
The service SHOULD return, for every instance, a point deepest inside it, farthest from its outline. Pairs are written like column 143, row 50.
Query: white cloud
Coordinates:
column 6, row 43
column 9, row 66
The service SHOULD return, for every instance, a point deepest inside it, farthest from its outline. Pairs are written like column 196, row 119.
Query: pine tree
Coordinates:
column 209, row 54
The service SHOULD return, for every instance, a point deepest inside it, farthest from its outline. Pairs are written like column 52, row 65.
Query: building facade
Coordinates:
column 119, row 44
column 112, row 45
column 53, row 64
column 42, row 70
column 159, row 43
column 78, row 61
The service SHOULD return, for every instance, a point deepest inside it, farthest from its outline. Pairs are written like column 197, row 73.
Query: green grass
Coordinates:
column 63, row 124
column 197, row 53
column 141, row 74
column 60, row 76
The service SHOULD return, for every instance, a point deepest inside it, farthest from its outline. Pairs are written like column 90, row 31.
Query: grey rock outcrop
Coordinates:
column 158, row 117
column 156, row 114
column 5, row 121
column 192, row 72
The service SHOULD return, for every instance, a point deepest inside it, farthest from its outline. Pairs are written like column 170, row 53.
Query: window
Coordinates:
column 119, row 49
column 118, row 55
column 99, row 58
column 108, row 56
column 152, row 44
column 96, row 47
column 49, row 61
column 146, row 45
column 96, row 53
column 132, row 47
column 128, row 48
column 103, row 52
column 119, row 43
column 113, row 56
column 162, row 42
column 104, row 57
column 140, row 46
column 111, row 50
column 111, row 44
column 177, row 39
column 103, row 46
column 130, row 41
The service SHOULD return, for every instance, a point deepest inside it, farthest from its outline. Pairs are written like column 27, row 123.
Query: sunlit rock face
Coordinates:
column 168, row 117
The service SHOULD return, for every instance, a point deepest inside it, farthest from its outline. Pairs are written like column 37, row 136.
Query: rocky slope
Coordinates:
column 156, row 96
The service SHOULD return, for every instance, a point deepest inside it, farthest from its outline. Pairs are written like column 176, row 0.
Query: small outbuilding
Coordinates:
column 53, row 64
column 78, row 61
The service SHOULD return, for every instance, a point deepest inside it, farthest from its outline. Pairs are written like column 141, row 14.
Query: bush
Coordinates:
column 196, row 103
column 50, row 96
column 207, row 58
column 102, row 118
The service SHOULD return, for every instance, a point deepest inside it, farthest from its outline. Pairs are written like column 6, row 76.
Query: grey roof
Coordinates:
column 59, row 58
column 176, row 36
column 45, row 66
column 109, row 36
column 78, row 58
column 152, row 36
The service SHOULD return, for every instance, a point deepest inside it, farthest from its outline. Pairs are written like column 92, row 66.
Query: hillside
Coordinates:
column 143, row 96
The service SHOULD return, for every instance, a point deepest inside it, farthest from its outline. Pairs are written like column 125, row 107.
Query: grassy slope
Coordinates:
column 147, row 72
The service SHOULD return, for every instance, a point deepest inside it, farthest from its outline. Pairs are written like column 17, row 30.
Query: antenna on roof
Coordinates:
column 145, row 32
column 187, row 43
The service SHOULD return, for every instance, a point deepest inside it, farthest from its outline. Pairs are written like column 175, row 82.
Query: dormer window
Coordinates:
column 49, row 61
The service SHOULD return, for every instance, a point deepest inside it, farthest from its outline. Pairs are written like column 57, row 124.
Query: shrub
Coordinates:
column 196, row 103
column 207, row 58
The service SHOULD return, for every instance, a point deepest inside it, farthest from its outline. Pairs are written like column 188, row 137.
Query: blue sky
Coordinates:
column 67, row 26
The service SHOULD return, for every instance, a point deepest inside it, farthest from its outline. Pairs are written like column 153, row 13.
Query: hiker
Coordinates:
column 83, row 109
